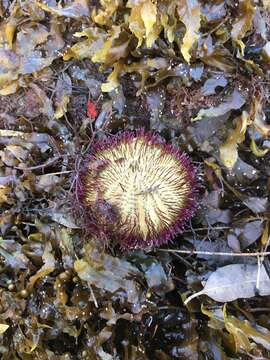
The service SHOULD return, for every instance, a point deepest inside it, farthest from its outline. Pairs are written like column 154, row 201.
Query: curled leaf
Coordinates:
column 112, row 81
column 259, row 118
column 228, row 150
column 47, row 268
column 243, row 23
column 256, row 150
column 242, row 331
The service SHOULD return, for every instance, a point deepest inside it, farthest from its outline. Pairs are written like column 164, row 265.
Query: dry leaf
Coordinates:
column 63, row 93
column 233, row 102
column 77, row 9
column 236, row 281
column 97, row 269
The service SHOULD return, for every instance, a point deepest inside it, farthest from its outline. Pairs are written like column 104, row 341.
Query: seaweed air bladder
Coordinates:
column 137, row 190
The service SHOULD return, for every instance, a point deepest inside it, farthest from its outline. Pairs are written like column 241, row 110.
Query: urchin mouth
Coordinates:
column 149, row 189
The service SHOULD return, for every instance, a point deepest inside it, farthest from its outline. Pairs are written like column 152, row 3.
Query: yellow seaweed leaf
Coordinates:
column 242, row 331
column 8, row 67
column 112, row 81
column 47, row 268
column 241, row 340
column 167, row 29
column 266, row 4
column 10, row 88
column 30, row 345
column 11, row 25
column 143, row 22
column 60, row 291
column 266, row 52
column 229, row 150
column 10, row 29
column 259, row 118
column 168, row 19
column 190, row 15
column 5, row 192
column 62, row 97
column 86, row 48
column 256, row 150
column 114, row 48
column 243, row 23
column 108, row 8
column 136, row 24
column 149, row 17
column 265, row 234
column 61, row 108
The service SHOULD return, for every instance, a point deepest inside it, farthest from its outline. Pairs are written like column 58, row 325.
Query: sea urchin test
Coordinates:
column 137, row 190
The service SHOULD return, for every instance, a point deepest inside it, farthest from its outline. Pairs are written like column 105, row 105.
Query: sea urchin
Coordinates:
column 137, row 190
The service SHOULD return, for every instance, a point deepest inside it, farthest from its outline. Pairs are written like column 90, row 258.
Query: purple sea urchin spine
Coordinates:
column 137, row 189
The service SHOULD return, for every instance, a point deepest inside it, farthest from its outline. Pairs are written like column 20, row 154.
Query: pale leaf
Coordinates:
column 3, row 328
column 236, row 281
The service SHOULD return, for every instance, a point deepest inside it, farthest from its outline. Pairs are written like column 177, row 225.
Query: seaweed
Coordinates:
column 74, row 71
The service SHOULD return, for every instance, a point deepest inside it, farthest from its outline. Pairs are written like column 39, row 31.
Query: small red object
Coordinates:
column 91, row 110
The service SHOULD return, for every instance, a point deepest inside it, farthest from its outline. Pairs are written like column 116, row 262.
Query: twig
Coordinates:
column 206, row 228
column 213, row 253
column 93, row 295
column 60, row 172
column 41, row 166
